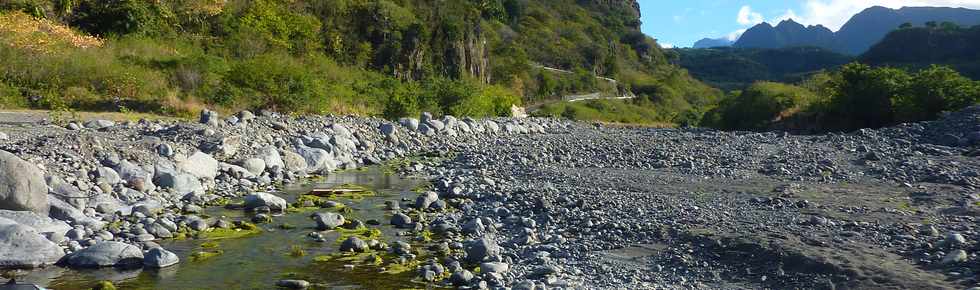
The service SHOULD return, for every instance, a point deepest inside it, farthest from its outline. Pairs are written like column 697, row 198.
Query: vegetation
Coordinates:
column 856, row 96
column 736, row 68
column 388, row 58
column 919, row 47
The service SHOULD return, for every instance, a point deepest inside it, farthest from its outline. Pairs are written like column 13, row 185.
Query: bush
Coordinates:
column 759, row 105
column 274, row 81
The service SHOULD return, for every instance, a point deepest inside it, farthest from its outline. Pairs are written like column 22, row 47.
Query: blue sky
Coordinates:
column 681, row 23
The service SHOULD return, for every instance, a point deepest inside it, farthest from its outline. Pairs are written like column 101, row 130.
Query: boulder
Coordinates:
column 200, row 164
column 209, row 117
column 67, row 192
column 254, row 165
column 387, row 129
column 108, row 175
column 353, row 244
column 426, row 199
column 99, row 124
column 260, row 199
column 479, row 250
column 42, row 224
column 328, row 220
column 181, row 183
column 22, row 246
column 22, row 185
column 411, row 123
column 294, row 161
column 317, row 160
column 400, row 220
column 271, row 156
column 160, row 258
column 106, row 254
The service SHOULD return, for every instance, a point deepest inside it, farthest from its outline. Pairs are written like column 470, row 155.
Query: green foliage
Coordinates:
column 758, row 105
column 856, row 96
column 736, row 68
column 104, row 285
column 121, row 17
column 920, row 47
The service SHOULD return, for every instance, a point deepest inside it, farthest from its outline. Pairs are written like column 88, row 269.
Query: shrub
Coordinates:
column 759, row 105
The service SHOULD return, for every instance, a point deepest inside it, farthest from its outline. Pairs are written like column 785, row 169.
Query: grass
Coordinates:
column 296, row 251
column 241, row 230
column 608, row 111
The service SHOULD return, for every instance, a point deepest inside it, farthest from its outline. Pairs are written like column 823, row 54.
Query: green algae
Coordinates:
column 204, row 255
column 104, row 285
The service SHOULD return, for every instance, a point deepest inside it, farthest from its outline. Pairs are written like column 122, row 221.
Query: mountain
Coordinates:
column 713, row 42
column 871, row 25
column 920, row 47
column 786, row 34
column 857, row 35
column 732, row 68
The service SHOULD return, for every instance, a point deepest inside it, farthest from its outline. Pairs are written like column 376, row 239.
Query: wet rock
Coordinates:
column 271, row 156
column 22, row 246
column 353, row 244
column 22, row 185
column 955, row 257
column 160, row 258
column 260, row 199
column 494, row 267
column 400, row 220
column 107, row 254
column 293, row 284
column 426, row 199
column 328, row 220
column 461, row 278
column 295, row 162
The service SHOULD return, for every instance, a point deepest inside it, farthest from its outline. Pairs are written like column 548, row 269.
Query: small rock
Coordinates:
column 293, row 284
column 328, row 220
column 160, row 258
column 353, row 244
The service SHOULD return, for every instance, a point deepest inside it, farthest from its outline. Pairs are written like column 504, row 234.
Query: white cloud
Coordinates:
column 748, row 17
column 667, row 45
column 736, row 34
column 834, row 13
column 789, row 14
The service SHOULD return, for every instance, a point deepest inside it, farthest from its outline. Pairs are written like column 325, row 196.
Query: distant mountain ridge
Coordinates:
column 713, row 42
column 861, row 32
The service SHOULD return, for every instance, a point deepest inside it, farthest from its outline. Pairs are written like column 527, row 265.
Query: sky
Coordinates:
column 680, row 23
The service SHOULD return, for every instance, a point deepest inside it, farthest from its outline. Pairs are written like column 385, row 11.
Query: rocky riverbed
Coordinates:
column 518, row 203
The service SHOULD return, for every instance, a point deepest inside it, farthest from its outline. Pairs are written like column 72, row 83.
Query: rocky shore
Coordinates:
column 522, row 203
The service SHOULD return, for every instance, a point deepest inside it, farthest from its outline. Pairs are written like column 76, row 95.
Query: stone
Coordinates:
column 461, row 278
column 293, row 284
column 22, row 246
column 108, row 175
column 271, row 156
column 200, row 164
column 387, row 129
column 328, row 220
column 479, row 250
column 260, row 199
column 3, row 136
column 209, row 117
column 401, row 248
column 99, row 124
column 159, row 258
column 294, row 162
column 954, row 239
column 246, row 116
column 474, row 226
column 22, row 185
column 160, row 231
column 107, row 254
column 426, row 199
column 230, row 145
column 317, row 160
column 439, row 126
column 955, row 257
column 400, row 220
column 353, row 244
column 254, row 165
column 165, row 150
column 65, row 191
column 494, row 267
column 42, row 224
column 181, row 183
column 411, row 123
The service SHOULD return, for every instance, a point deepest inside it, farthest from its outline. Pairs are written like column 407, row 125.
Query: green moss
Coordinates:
column 210, row 245
column 241, row 230
column 426, row 235
column 287, row 226
column 104, row 285
column 363, row 233
column 204, row 255
column 296, row 251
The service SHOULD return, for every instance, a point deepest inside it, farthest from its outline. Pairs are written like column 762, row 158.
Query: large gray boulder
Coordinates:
column 66, row 191
column 43, row 224
column 200, row 164
column 210, row 118
column 271, row 156
column 22, row 185
column 426, row 199
column 294, row 162
column 260, row 199
column 479, row 250
column 107, row 254
column 160, row 258
column 254, row 165
column 317, row 160
column 411, row 123
column 22, row 246
column 328, row 220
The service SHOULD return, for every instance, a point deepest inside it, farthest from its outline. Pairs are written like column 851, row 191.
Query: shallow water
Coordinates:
column 257, row 262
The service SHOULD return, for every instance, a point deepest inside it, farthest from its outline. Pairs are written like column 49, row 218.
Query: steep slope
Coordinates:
column 736, row 68
column 787, row 33
column 920, row 47
column 871, row 25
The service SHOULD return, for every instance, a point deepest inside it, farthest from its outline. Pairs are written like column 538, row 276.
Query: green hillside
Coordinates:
column 920, row 47
column 736, row 68
column 371, row 57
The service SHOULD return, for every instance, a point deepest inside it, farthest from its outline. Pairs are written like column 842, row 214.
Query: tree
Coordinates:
column 905, row 25
column 863, row 95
